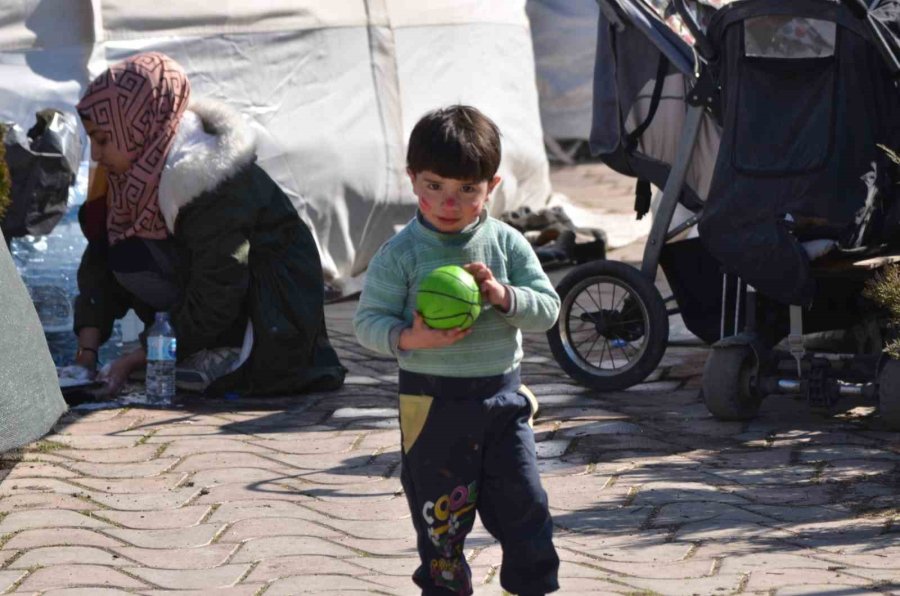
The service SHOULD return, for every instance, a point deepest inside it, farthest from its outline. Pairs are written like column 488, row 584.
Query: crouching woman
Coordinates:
column 188, row 223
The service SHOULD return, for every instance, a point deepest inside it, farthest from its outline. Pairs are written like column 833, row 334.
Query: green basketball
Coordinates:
column 449, row 298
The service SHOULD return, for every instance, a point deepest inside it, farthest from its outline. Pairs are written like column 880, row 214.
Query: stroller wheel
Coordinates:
column 613, row 327
column 728, row 380
column 889, row 394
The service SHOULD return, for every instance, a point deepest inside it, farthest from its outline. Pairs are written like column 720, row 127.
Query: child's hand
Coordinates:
column 492, row 290
column 422, row 337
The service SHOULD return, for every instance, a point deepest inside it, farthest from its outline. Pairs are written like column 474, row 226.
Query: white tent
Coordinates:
column 332, row 86
column 565, row 42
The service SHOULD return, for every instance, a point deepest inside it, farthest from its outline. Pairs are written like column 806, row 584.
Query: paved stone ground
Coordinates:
column 650, row 494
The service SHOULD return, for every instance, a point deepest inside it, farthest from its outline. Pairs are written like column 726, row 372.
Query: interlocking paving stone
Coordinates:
column 301, row 566
column 845, row 452
column 114, row 470
column 203, row 557
column 777, row 580
column 194, row 536
column 552, row 449
column 186, row 447
column 706, row 532
column 344, row 413
column 239, row 491
column 316, row 445
column 394, row 566
column 176, row 579
column 598, row 428
column 138, row 485
column 158, row 520
column 47, row 518
column 87, row 592
column 171, row 499
column 787, row 494
column 36, row 485
column 241, row 590
column 262, row 508
column 213, row 461
column 390, row 508
column 636, row 552
column 799, row 513
column 765, row 562
column 30, row 539
column 90, row 426
column 136, row 454
column 322, row 584
column 39, row 470
column 68, row 576
column 700, row 513
column 717, row 584
column 271, row 526
column 285, row 546
column 826, row 589
column 849, row 470
column 8, row 579
column 66, row 555
column 247, row 476
column 43, row 501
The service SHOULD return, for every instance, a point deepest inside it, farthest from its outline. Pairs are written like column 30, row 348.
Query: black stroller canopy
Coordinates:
column 879, row 20
column 808, row 94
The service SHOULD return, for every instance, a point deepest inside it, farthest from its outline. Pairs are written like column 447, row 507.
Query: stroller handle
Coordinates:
column 702, row 43
column 857, row 7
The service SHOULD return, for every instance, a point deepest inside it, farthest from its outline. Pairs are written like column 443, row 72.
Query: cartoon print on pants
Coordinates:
column 445, row 517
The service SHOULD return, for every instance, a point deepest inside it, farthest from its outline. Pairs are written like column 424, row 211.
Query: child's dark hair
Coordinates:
column 455, row 142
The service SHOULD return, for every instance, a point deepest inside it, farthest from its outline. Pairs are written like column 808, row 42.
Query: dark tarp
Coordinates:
column 30, row 399
column 42, row 165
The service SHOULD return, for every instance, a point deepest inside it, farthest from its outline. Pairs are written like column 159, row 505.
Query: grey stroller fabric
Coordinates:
column 30, row 399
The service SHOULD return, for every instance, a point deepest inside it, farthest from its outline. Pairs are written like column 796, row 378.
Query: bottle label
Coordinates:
column 161, row 348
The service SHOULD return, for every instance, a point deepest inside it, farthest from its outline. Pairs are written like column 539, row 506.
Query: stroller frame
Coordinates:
column 741, row 369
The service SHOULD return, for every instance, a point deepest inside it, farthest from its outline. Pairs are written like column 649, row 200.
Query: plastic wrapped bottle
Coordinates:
column 161, row 351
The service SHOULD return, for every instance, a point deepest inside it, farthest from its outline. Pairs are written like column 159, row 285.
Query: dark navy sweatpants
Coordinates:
column 468, row 446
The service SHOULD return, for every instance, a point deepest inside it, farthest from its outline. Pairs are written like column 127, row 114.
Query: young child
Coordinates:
column 465, row 416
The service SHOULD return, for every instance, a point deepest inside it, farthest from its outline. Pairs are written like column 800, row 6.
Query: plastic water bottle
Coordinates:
column 161, row 350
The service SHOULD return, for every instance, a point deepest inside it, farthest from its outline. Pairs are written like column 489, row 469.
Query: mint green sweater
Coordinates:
column 495, row 345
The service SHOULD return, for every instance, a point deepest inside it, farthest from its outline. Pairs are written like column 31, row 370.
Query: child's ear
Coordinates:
column 492, row 184
column 412, row 175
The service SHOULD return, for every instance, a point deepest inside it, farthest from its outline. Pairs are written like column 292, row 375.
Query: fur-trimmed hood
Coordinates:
column 199, row 160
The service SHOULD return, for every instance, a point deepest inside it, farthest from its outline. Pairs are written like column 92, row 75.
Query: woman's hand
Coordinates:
column 115, row 375
column 492, row 290
column 422, row 337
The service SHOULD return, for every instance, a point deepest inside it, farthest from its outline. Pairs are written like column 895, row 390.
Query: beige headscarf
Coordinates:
column 140, row 102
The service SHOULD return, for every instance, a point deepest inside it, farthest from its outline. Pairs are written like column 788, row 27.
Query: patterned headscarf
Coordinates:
column 140, row 102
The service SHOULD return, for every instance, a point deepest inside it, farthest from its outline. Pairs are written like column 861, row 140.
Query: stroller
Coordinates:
column 761, row 120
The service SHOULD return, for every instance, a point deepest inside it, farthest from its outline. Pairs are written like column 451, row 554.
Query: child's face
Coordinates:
column 450, row 204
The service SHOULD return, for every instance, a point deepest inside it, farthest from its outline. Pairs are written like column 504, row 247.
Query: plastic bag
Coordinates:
column 42, row 164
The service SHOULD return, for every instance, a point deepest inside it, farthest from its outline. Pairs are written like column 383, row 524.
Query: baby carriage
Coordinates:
column 761, row 120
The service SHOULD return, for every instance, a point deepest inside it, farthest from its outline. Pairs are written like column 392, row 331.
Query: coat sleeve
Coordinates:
column 216, row 280
column 101, row 300
column 536, row 302
column 380, row 315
